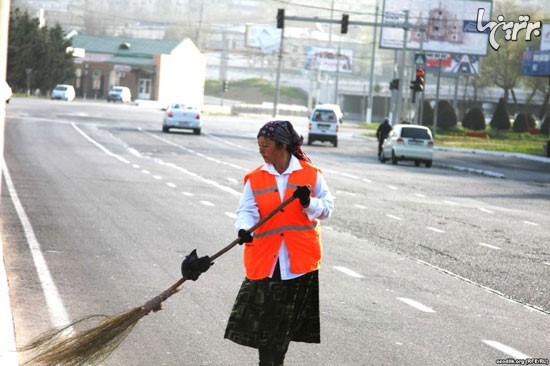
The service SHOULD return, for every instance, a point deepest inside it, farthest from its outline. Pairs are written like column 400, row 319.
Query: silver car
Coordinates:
column 409, row 142
column 182, row 116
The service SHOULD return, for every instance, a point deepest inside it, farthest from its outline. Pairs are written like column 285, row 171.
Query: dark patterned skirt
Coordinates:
column 272, row 313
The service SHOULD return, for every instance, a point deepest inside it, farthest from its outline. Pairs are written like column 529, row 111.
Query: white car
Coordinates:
column 119, row 94
column 408, row 142
column 182, row 116
column 324, row 124
column 63, row 92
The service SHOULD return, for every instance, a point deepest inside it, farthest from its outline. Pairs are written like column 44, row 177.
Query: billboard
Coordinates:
column 536, row 63
column 325, row 59
column 450, row 26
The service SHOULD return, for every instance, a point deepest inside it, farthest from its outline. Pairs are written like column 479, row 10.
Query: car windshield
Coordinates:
column 324, row 116
column 181, row 106
column 116, row 89
column 415, row 133
column 61, row 88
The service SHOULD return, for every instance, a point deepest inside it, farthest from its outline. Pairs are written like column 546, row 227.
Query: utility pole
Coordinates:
column 4, row 22
column 372, row 61
column 399, row 102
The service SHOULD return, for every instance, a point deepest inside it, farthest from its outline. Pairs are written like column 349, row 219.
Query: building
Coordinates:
column 162, row 70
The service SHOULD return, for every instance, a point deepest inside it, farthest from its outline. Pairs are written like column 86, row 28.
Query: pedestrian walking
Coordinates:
column 381, row 134
column 278, row 301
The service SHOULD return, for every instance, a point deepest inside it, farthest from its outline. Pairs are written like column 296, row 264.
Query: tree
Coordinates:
column 503, row 67
column 427, row 114
column 41, row 50
column 446, row 115
column 474, row 119
column 501, row 119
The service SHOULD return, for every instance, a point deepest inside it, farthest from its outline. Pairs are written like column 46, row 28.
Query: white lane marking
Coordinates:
column 101, row 147
column 506, row 349
column 193, row 151
column 348, row 271
column 366, row 180
column 394, row 217
column 436, row 230
column 135, row 166
column 134, row 152
column 416, row 305
column 485, row 210
column 233, row 180
column 360, row 206
column 547, row 263
column 349, row 176
column 392, row 187
column 231, row 215
column 207, row 203
column 8, row 354
column 531, row 223
column 146, row 172
column 489, row 246
column 172, row 185
column 451, row 202
column 188, row 194
column 229, row 143
column 420, row 195
column 157, row 177
column 56, row 309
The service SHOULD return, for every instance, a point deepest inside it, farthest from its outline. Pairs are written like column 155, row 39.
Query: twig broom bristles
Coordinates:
column 64, row 347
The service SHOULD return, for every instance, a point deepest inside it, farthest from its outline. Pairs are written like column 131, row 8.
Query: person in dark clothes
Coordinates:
column 381, row 134
column 278, row 301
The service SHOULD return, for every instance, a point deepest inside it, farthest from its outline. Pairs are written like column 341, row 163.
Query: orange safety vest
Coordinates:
column 301, row 235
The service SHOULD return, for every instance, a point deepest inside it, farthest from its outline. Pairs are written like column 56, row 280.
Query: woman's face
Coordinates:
column 270, row 151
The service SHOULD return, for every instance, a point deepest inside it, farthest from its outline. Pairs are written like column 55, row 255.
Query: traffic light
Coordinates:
column 280, row 18
column 225, row 86
column 394, row 84
column 419, row 82
column 345, row 23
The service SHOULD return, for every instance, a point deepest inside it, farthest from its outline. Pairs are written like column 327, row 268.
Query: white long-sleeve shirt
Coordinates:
column 320, row 207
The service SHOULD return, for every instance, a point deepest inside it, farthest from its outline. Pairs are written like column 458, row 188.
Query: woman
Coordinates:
column 278, row 301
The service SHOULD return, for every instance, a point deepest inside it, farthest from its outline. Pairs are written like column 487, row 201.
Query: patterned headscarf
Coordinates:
column 284, row 132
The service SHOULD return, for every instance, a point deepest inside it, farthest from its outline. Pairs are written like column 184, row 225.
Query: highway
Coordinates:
column 437, row 266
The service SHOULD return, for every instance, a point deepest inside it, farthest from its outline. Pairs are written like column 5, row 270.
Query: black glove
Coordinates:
column 245, row 236
column 192, row 266
column 302, row 193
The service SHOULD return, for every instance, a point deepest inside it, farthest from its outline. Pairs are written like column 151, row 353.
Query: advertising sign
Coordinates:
column 536, row 63
column 325, row 59
column 449, row 26
column 545, row 37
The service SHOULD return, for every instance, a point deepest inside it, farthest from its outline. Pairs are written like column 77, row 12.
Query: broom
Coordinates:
column 66, row 347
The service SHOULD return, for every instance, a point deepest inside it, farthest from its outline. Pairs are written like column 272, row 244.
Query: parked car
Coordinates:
column 63, row 92
column 408, row 142
column 324, row 124
column 5, row 91
column 119, row 94
column 182, row 116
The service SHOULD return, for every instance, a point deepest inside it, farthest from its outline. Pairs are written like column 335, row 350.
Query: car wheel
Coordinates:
column 393, row 157
column 335, row 143
column 382, row 158
column 428, row 164
column 197, row 131
column 165, row 129
column 417, row 163
column 309, row 141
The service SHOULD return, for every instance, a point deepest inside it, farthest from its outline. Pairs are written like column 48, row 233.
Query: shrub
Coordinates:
column 501, row 119
column 520, row 123
column 446, row 115
column 474, row 119
column 545, row 126
column 427, row 114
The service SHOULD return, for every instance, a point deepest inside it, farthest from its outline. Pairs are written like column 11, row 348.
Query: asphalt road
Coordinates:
column 438, row 266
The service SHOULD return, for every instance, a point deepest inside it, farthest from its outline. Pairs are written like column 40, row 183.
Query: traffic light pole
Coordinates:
column 278, row 80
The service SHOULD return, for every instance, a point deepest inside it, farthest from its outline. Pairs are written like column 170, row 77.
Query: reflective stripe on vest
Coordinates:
column 301, row 235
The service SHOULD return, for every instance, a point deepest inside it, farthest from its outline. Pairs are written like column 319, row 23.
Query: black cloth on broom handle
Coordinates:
column 154, row 303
